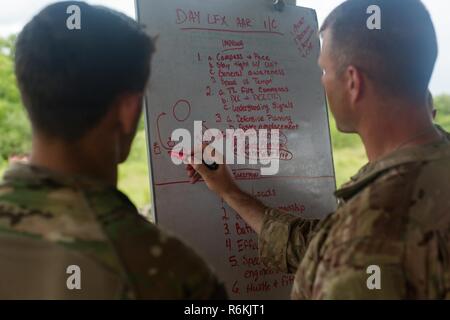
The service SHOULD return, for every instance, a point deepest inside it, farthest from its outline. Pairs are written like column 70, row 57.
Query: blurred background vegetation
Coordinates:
column 348, row 151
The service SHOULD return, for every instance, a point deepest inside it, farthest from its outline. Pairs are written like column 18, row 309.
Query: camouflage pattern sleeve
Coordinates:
column 284, row 239
column 158, row 266
column 186, row 274
column 195, row 280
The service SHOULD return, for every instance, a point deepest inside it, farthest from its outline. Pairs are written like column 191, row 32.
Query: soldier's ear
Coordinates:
column 129, row 111
column 354, row 83
column 434, row 114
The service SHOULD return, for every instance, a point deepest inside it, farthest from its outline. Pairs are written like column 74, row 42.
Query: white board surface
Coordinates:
column 231, row 64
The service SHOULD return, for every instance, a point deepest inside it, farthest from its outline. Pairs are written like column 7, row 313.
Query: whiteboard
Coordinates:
column 237, row 64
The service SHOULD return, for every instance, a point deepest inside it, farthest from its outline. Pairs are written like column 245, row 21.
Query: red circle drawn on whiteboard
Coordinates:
column 181, row 110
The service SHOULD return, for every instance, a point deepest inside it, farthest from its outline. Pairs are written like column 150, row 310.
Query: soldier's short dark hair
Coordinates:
column 399, row 57
column 70, row 78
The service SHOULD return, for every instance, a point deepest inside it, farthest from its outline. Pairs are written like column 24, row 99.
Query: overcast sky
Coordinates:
column 15, row 13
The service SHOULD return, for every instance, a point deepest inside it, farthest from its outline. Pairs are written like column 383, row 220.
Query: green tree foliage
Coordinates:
column 442, row 105
column 14, row 128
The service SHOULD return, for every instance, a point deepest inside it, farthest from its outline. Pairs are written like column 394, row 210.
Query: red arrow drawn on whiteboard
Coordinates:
column 159, row 132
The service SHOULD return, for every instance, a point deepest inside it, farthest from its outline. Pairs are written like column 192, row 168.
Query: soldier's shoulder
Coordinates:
column 28, row 198
column 406, row 185
column 46, row 209
column 388, row 204
column 27, row 203
column 379, row 210
column 398, row 184
column 389, row 188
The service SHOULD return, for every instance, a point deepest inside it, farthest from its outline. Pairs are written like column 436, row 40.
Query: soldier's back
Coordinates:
column 54, row 229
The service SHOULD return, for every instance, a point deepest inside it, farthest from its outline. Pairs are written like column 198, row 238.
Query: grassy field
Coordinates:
column 348, row 154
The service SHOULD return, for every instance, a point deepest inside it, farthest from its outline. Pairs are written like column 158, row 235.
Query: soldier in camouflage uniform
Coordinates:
column 62, row 213
column 393, row 217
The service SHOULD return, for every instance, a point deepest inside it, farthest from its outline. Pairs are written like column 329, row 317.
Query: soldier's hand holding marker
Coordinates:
column 216, row 175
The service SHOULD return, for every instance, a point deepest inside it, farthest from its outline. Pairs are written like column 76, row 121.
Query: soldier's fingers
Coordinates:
column 195, row 178
column 196, row 163
column 190, row 171
column 194, row 170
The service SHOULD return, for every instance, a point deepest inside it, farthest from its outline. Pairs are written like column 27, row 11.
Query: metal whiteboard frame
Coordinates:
column 147, row 140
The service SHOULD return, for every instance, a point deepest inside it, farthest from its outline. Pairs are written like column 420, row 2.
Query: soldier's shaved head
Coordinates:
column 399, row 58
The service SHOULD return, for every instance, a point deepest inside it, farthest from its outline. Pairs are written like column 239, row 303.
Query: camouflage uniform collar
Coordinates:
column 34, row 175
column 371, row 171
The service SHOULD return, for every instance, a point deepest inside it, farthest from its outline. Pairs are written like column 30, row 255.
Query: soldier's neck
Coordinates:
column 396, row 131
column 74, row 159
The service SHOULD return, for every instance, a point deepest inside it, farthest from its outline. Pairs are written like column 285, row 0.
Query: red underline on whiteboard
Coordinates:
column 260, row 178
column 232, row 31
column 231, row 49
